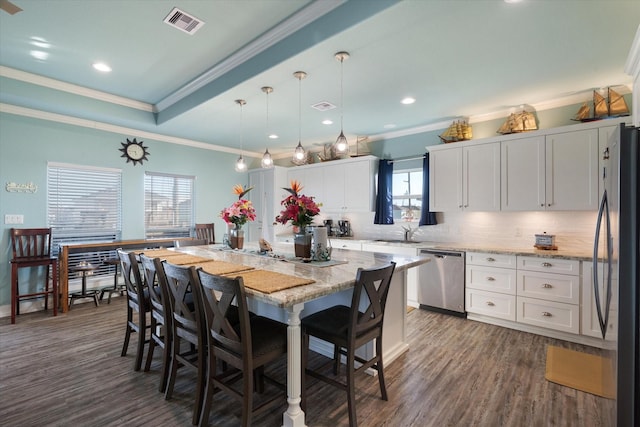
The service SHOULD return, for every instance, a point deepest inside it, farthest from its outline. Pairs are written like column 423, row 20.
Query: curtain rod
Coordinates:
column 406, row 159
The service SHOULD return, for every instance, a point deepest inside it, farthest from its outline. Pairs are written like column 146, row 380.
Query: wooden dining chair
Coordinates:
column 243, row 342
column 206, row 232
column 349, row 328
column 188, row 336
column 138, row 305
column 31, row 247
column 160, row 327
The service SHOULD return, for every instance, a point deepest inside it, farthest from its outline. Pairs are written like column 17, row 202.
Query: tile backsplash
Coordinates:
column 573, row 230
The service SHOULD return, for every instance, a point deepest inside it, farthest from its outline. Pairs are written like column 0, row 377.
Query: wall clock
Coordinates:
column 134, row 151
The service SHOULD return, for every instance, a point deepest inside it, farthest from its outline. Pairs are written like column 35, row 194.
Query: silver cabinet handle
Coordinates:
column 490, row 304
column 491, row 279
column 547, row 264
column 547, row 286
column 491, row 259
column 546, row 314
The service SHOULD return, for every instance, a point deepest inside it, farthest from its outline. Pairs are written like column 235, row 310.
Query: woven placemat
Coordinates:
column 159, row 253
column 220, row 267
column 270, row 281
column 183, row 259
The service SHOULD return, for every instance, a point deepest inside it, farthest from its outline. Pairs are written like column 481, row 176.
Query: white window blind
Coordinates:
column 168, row 205
column 84, row 204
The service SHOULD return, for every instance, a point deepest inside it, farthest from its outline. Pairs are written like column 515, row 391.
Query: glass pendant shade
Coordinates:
column 341, row 146
column 299, row 153
column 267, row 161
column 241, row 166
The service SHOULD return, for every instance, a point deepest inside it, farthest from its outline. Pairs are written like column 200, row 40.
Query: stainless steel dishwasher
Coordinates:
column 441, row 282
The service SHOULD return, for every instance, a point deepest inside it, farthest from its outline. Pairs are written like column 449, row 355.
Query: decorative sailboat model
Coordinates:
column 612, row 106
column 459, row 130
column 518, row 122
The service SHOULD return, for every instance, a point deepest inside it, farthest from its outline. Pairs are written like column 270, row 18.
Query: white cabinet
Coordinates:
column 589, row 323
column 552, row 172
column 490, row 285
column 465, row 178
column 341, row 185
column 266, row 196
column 352, row 245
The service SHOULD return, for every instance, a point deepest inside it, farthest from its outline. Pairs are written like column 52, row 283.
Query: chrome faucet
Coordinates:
column 408, row 232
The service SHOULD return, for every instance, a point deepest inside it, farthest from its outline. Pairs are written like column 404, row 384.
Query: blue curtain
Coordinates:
column 426, row 217
column 384, row 198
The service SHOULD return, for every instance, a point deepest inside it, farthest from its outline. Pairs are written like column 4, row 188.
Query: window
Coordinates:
column 407, row 194
column 84, row 205
column 168, row 205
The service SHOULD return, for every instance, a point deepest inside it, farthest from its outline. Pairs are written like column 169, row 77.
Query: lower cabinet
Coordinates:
column 589, row 322
column 490, row 285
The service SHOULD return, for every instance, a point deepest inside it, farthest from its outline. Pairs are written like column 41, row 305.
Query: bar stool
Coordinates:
column 121, row 289
column 84, row 269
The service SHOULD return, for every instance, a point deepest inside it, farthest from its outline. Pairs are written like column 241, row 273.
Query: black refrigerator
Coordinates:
column 615, row 273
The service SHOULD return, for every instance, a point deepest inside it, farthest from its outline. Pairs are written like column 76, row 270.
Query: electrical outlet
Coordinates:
column 14, row 219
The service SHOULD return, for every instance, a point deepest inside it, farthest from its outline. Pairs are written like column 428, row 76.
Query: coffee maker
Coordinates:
column 344, row 228
column 330, row 228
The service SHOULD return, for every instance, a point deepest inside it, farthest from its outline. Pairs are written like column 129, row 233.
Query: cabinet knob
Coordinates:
column 542, row 205
column 490, row 304
column 546, row 314
column 549, row 204
column 459, row 206
column 489, row 259
column 547, row 286
column 466, row 206
column 547, row 264
column 491, row 279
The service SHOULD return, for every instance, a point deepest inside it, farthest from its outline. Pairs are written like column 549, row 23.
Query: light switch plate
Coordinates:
column 14, row 219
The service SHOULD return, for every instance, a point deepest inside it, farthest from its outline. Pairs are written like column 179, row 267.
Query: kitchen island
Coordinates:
column 333, row 284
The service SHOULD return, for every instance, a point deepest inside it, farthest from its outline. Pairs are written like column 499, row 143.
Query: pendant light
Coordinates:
column 299, row 154
column 267, row 161
column 241, row 166
column 341, row 145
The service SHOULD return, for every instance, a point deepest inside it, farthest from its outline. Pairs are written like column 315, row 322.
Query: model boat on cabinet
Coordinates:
column 459, row 130
column 612, row 106
column 518, row 122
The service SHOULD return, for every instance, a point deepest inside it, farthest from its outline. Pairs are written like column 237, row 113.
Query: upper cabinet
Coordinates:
column 465, row 178
column 549, row 170
column 341, row 185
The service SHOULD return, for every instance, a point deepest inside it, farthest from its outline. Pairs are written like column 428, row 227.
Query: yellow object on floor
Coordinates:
column 410, row 309
column 581, row 371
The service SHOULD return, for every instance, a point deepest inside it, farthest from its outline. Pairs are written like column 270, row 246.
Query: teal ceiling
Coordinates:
column 460, row 58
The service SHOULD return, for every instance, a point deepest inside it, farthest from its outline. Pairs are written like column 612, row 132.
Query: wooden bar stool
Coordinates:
column 116, row 289
column 84, row 269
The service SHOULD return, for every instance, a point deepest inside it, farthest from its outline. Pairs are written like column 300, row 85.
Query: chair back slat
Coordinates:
column 132, row 279
column 373, row 285
column 31, row 242
column 219, row 293
column 156, row 284
column 206, row 232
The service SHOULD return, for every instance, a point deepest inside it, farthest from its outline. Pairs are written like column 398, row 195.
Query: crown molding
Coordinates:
column 50, row 83
column 107, row 127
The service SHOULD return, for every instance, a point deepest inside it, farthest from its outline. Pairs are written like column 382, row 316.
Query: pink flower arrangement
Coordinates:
column 298, row 208
column 240, row 211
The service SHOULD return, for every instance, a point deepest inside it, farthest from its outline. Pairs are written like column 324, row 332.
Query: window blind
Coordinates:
column 168, row 205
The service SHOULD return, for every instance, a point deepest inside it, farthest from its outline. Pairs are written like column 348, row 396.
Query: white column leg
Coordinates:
column 294, row 417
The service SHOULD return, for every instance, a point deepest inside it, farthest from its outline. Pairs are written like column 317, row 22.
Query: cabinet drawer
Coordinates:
column 346, row 244
column 491, row 260
column 491, row 304
column 491, row 279
column 549, row 314
column 549, row 265
column 551, row 287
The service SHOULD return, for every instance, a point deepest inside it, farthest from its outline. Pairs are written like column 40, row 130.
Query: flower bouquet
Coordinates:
column 299, row 210
column 238, row 214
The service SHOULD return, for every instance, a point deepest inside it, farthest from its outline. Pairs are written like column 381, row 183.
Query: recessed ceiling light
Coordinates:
column 513, row 1
column 327, row 122
column 408, row 100
column 389, row 126
column 273, row 136
column 38, row 54
column 101, row 66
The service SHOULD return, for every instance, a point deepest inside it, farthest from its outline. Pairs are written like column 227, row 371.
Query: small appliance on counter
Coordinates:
column 330, row 228
column 344, row 228
column 546, row 241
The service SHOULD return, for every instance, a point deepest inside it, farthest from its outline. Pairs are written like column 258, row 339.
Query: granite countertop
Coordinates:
column 579, row 255
column 328, row 279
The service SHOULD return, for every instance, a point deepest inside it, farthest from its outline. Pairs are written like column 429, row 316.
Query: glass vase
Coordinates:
column 302, row 243
column 236, row 238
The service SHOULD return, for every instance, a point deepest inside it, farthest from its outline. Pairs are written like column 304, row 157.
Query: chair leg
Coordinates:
column 152, row 346
column 247, row 398
column 46, row 290
column 166, row 362
column 55, row 289
column 142, row 333
column 336, row 359
column 15, row 304
column 351, row 388
column 175, row 348
column 208, row 393
column 127, row 335
column 200, row 386
column 380, row 368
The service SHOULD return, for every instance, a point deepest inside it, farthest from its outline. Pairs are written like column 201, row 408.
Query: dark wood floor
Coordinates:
column 67, row 371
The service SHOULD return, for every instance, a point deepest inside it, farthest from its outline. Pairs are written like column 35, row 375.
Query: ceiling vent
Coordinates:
column 183, row 21
column 323, row 106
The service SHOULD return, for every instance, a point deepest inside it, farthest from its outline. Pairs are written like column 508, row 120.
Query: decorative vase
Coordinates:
column 236, row 238
column 302, row 243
